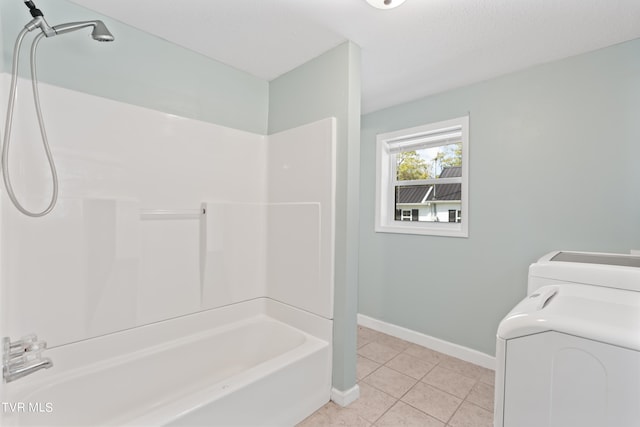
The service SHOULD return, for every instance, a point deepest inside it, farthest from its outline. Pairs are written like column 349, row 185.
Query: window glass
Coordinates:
column 428, row 163
column 422, row 179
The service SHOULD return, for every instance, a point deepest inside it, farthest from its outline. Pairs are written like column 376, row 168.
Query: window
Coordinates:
column 454, row 215
column 422, row 179
column 407, row 215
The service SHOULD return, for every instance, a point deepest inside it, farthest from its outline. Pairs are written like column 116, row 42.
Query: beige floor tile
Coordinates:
column 470, row 415
column 409, row 365
column 377, row 352
column 449, row 381
column 425, row 354
column 403, row 415
column 432, row 401
column 425, row 404
column 393, row 342
column 366, row 335
column 372, row 403
column 365, row 366
column 334, row 415
column 482, row 395
column 390, row 381
column 488, row 376
column 460, row 366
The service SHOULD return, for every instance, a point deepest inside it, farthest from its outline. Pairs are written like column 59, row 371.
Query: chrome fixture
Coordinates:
column 99, row 33
column 385, row 4
column 23, row 357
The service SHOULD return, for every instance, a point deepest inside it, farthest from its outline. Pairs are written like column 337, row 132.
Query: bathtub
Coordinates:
column 255, row 363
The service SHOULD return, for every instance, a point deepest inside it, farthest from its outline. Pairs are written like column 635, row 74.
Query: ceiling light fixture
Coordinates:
column 385, row 4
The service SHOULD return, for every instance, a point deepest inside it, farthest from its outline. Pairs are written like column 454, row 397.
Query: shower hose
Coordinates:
column 8, row 123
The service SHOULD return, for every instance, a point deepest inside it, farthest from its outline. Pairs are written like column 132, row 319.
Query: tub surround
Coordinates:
column 271, row 214
column 164, row 218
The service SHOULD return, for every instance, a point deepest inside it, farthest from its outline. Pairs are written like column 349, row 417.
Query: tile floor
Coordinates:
column 404, row 384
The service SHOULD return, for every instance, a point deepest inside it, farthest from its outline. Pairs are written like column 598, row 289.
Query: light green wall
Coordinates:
column 329, row 86
column 554, row 164
column 138, row 69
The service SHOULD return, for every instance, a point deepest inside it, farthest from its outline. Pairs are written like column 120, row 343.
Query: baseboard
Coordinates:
column 344, row 398
column 433, row 343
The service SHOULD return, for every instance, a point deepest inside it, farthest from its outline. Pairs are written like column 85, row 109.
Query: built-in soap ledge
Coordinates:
column 171, row 214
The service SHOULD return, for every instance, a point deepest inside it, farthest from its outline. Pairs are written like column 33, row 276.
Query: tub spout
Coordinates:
column 24, row 369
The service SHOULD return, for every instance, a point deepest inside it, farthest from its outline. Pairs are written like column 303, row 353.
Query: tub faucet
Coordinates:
column 23, row 357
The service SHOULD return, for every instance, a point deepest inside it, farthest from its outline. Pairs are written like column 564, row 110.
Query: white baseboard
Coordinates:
column 344, row 398
column 433, row 343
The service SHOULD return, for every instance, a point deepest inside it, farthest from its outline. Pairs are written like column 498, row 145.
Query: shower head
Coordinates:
column 99, row 33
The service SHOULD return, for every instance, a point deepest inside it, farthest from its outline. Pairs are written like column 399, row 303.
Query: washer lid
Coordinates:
column 620, row 271
column 603, row 314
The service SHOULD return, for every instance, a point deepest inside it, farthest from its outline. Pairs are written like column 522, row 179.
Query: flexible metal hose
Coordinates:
column 9, row 121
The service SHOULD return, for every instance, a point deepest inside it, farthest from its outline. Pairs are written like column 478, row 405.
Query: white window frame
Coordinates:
column 431, row 135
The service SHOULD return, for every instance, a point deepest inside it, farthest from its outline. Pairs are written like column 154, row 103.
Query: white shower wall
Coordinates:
column 287, row 241
column 301, row 176
column 96, row 266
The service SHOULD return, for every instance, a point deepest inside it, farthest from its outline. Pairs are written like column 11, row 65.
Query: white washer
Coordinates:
column 618, row 271
column 568, row 355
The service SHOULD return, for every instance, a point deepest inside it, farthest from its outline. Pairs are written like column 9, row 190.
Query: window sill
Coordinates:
column 441, row 229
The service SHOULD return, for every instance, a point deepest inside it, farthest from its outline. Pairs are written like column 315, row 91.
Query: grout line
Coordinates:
column 370, row 360
column 455, row 412
column 368, row 375
column 388, row 409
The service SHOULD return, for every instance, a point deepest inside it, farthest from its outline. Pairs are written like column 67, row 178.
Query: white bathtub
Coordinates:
column 256, row 363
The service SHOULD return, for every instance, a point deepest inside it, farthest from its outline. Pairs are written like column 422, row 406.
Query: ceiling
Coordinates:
column 418, row 49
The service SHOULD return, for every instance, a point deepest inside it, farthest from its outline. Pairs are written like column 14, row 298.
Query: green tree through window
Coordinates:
column 412, row 166
column 427, row 163
column 452, row 155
